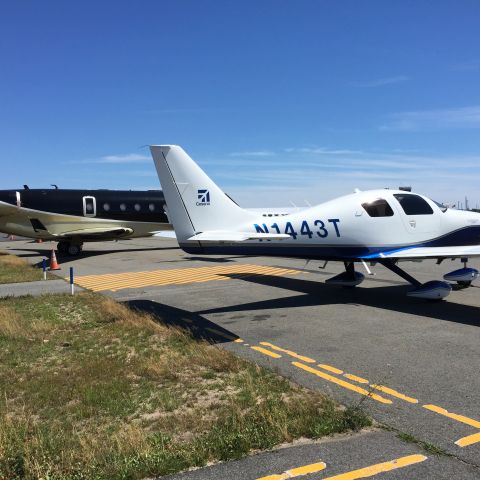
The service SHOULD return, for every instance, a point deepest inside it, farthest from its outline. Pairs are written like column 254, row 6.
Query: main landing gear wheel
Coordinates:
column 347, row 279
column 433, row 290
column 62, row 247
column 68, row 248
column 74, row 249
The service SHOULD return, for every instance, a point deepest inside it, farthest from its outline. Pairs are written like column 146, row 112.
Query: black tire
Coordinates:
column 464, row 283
column 74, row 249
column 62, row 247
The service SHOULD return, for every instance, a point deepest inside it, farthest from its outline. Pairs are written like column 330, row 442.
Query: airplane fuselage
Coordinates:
column 47, row 213
column 354, row 226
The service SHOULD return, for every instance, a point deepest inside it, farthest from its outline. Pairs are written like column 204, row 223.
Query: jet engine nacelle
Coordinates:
column 433, row 290
column 462, row 275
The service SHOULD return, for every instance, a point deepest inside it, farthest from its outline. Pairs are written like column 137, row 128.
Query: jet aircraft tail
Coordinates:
column 196, row 205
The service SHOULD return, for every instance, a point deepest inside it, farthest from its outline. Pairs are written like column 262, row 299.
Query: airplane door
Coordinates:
column 417, row 214
column 89, row 207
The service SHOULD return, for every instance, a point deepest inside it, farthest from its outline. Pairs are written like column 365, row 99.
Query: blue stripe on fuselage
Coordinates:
column 462, row 237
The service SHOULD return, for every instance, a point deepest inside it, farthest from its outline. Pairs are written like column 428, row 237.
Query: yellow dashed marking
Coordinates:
column 355, row 378
column 288, row 352
column 379, row 468
column 179, row 276
column 470, row 440
column 296, row 472
column 330, row 368
column 394, row 393
column 342, row 383
column 266, row 352
column 454, row 416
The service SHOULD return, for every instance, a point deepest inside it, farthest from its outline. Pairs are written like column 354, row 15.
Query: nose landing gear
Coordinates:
column 463, row 276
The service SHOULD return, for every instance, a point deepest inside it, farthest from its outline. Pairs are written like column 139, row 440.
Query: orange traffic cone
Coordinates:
column 53, row 261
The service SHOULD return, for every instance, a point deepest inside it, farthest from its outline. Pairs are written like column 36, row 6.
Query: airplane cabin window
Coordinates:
column 106, row 207
column 151, row 207
column 123, row 207
column 137, row 207
column 413, row 204
column 378, row 208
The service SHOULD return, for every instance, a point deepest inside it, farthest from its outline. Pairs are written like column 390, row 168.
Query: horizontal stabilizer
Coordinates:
column 219, row 236
column 165, row 234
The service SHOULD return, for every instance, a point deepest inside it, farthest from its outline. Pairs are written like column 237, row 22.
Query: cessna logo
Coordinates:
column 203, row 197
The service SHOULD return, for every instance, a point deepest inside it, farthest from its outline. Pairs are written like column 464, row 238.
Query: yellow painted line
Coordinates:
column 179, row 276
column 330, row 368
column 296, row 472
column 379, row 468
column 288, row 352
column 221, row 334
column 454, row 416
column 355, row 378
column 266, row 352
column 470, row 440
column 394, row 393
column 342, row 383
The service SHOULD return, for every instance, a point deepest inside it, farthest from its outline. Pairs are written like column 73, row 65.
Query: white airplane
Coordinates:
column 378, row 226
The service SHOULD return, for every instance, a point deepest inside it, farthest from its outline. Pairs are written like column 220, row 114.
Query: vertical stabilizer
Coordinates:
column 195, row 203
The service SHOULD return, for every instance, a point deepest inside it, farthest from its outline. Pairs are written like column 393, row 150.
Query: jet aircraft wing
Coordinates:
column 94, row 232
column 426, row 252
column 7, row 209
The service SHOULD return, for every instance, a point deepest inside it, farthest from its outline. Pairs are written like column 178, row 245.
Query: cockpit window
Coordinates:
column 378, row 208
column 441, row 206
column 413, row 204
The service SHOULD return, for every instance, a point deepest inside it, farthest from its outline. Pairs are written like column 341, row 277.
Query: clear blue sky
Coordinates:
column 277, row 100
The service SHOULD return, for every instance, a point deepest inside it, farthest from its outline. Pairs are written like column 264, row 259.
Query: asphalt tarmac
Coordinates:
column 412, row 364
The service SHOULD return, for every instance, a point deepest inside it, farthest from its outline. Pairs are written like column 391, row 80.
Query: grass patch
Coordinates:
column 428, row 447
column 92, row 389
column 15, row 270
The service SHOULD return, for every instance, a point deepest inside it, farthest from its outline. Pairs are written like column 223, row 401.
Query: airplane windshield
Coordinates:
column 441, row 206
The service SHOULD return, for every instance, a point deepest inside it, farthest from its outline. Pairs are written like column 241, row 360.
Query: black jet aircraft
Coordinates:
column 73, row 217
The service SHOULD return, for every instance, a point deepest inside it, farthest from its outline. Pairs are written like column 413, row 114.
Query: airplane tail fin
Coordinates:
column 195, row 203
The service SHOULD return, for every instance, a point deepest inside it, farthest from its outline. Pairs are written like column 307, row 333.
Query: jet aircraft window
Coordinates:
column 151, row 207
column 413, row 204
column 123, row 207
column 137, row 207
column 106, row 207
column 378, row 208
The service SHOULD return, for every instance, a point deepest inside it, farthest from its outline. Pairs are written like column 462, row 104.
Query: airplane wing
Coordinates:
column 426, row 252
column 7, row 209
column 95, row 232
column 219, row 236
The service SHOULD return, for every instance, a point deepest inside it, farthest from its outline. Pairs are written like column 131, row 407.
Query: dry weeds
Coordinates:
column 90, row 388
